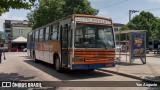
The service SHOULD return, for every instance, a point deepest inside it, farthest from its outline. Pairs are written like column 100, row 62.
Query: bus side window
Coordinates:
column 50, row 32
column 53, row 35
column 33, row 36
column 47, row 34
column 36, row 35
column 41, row 35
column 44, row 34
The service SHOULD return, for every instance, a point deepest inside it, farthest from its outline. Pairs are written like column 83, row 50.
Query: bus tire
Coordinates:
column 57, row 64
column 34, row 58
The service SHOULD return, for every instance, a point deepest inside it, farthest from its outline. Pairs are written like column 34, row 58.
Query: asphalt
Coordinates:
column 149, row 72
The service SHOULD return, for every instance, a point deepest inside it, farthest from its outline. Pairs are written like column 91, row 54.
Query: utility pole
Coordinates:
column 131, row 12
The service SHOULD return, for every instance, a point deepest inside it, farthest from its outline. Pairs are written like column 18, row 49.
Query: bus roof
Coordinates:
column 73, row 18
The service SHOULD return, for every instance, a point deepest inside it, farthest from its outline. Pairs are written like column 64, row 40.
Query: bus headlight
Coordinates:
column 79, row 59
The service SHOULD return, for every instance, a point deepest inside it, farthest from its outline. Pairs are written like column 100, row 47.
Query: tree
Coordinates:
column 78, row 6
column 5, row 5
column 51, row 10
column 46, row 12
column 146, row 21
column 1, row 35
column 122, row 37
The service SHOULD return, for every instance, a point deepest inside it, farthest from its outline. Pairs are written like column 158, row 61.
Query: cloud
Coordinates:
column 3, row 17
column 8, row 16
column 153, row 0
column 103, row 13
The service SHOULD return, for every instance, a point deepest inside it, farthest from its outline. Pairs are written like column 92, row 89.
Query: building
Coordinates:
column 117, row 26
column 15, row 30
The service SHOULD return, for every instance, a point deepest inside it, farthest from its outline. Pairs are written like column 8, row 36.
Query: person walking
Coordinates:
column 2, row 51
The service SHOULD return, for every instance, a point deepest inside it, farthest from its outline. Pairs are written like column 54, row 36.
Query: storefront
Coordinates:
column 18, row 44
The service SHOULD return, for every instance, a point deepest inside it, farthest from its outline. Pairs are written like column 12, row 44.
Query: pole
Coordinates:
column 131, row 12
column 130, row 15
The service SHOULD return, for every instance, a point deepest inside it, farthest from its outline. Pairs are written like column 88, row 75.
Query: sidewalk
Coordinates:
column 148, row 72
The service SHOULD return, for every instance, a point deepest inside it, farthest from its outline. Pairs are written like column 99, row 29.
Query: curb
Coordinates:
column 130, row 76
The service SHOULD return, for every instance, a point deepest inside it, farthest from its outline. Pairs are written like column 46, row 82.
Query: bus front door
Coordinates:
column 64, row 45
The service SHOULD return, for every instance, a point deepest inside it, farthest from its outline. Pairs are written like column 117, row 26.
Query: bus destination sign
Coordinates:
column 92, row 20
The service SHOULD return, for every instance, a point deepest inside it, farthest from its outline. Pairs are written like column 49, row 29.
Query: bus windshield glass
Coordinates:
column 94, row 36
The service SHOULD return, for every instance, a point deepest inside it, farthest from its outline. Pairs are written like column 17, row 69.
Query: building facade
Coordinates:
column 14, row 29
column 117, row 26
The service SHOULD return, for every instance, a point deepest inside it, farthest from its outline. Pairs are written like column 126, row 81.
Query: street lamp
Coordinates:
column 131, row 12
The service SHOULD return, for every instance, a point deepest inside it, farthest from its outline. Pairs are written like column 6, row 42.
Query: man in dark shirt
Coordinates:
column 1, row 51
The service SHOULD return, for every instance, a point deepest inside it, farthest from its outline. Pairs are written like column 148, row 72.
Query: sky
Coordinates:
column 118, row 10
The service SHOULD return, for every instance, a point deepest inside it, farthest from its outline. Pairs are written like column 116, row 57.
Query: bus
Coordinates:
column 30, row 44
column 76, row 42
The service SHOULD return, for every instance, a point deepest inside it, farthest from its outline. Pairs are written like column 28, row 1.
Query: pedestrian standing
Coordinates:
column 2, row 51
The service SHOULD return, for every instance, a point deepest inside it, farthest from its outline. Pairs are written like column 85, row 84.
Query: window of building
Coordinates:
column 21, row 31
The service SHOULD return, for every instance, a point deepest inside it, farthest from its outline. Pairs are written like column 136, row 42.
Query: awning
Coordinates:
column 20, row 39
column 128, row 31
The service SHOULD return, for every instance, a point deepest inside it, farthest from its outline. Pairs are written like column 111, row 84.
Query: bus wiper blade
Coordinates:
column 103, row 44
column 86, row 44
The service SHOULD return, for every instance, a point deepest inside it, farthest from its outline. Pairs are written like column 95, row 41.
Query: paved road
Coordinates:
column 18, row 67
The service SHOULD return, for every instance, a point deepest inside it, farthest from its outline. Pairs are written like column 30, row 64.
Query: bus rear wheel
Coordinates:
column 58, row 65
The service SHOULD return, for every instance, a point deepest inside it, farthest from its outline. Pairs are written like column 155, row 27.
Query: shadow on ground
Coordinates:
column 155, row 56
column 153, row 80
column 127, row 64
column 16, row 77
column 13, row 77
column 67, row 74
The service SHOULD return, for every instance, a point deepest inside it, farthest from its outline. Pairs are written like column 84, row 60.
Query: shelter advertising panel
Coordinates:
column 138, row 46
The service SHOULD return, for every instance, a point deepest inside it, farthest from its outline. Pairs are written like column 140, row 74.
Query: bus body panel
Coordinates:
column 92, row 66
column 93, row 58
column 46, row 50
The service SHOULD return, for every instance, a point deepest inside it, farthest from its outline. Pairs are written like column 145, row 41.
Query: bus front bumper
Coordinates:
column 91, row 66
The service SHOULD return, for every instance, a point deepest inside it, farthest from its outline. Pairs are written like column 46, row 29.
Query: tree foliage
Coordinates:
column 51, row 10
column 5, row 5
column 1, row 39
column 146, row 21
column 122, row 37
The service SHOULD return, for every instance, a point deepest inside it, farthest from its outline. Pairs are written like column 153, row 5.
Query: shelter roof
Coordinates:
column 20, row 39
column 128, row 31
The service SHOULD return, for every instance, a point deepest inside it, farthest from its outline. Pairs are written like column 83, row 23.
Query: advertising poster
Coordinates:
column 138, row 45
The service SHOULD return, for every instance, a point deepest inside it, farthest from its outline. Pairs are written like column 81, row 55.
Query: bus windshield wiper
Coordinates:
column 103, row 43
column 86, row 44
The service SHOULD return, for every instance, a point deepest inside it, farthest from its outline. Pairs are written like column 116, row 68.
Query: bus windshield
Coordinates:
column 94, row 36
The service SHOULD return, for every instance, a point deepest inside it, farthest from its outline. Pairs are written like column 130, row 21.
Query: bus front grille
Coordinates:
column 95, row 55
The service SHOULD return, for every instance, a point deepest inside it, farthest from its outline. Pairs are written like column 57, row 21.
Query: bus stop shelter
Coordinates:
column 136, row 43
